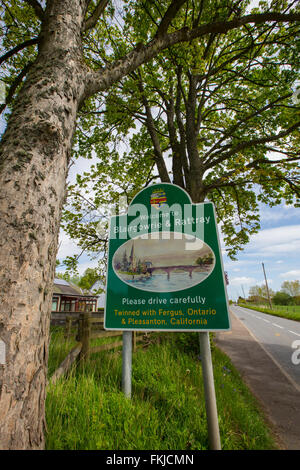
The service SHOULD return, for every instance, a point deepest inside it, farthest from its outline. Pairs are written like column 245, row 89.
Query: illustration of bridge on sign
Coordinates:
column 162, row 264
column 169, row 269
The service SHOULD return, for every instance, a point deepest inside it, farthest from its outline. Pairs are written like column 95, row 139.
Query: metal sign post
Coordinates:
column 209, row 391
column 127, row 363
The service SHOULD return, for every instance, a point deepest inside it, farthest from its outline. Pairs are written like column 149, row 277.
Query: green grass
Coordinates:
column 291, row 312
column 59, row 347
column 87, row 410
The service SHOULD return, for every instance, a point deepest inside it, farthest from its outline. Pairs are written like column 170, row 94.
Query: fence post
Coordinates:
column 85, row 335
column 68, row 327
column 79, row 331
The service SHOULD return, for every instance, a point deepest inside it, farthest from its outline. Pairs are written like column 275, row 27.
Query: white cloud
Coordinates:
column 294, row 273
column 274, row 241
column 242, row 280
column 277, row 235
column 277, row 246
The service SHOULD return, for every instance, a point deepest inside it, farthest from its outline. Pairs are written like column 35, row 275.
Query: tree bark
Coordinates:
column 34, row 157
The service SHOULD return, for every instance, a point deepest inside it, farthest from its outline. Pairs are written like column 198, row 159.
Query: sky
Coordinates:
column 276, row 245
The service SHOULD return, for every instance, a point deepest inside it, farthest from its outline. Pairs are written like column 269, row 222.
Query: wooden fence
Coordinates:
column 88, row 326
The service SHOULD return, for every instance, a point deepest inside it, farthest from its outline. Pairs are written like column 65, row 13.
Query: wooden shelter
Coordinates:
column 68, row 297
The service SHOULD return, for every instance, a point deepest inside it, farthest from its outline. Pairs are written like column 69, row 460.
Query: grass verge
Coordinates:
column 59, row 348
column 286, row 312
column 87, row 410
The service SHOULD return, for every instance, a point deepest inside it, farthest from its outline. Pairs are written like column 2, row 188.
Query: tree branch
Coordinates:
column 241, row 122
column 18, row 48
column 168, row 17
column 10, row 13
column 250, row 143
column 92, row 20
column 17, row 81
column 175, row 145
column 159, row 159
column 181, row 128
column 103, row 79
column 37, row 8
column 293, row 186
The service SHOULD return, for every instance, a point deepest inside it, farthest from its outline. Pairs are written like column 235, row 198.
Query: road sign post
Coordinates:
column 209, row 391
column 165, row 273
column 127, row 363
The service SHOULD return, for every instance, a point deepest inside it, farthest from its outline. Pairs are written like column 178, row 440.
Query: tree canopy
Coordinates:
column 215, row 115
column 291, row 288
column 288, row 294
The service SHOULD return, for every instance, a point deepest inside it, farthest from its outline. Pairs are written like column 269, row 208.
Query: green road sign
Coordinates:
column 165, row 269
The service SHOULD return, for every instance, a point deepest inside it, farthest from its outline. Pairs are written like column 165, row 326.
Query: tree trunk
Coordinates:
column 34, row 157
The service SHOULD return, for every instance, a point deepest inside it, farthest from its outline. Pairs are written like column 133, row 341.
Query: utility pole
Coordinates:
column 267, row 286
column 243, row 293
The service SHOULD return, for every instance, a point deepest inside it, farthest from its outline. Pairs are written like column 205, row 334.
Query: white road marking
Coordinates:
column 278, row 326
column 294, row 333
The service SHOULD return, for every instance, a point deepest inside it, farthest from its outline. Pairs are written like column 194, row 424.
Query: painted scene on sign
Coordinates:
column 164, row 262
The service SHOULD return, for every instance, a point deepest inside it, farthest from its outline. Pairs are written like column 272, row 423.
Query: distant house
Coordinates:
column 68, row 297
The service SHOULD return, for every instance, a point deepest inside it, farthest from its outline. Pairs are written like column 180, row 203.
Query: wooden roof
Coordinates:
column 63, row 287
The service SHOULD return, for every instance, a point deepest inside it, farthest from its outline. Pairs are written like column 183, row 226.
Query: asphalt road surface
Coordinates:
column 278, row 336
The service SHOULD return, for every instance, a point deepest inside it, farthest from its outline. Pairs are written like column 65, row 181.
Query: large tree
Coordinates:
column 216, row 116
column 47, row 87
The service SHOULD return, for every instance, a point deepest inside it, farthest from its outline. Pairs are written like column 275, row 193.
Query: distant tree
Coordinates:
column 297, row 300
column 291, row 287
column 282, row 298
column 89, row 277
column 67, row 277
column 259, row 293
column 255, row 291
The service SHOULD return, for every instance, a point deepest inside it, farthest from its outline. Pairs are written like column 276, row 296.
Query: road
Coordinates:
column 278, row 336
